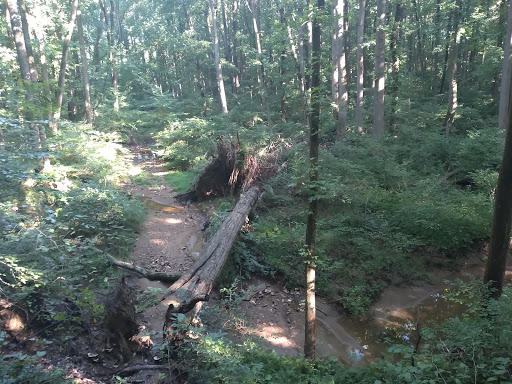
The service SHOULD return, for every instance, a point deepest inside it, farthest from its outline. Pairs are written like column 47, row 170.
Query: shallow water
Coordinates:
column 151, row 204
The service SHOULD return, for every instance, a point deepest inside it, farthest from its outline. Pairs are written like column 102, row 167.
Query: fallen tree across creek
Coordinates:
column 195, row 284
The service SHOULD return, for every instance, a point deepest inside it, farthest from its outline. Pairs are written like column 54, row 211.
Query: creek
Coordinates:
column 278, row 319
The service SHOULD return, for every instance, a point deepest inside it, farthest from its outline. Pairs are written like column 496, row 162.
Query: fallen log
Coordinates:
column 195, row 284
column 160, row 276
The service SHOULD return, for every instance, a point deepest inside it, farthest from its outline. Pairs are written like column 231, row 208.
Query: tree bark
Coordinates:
column 360, row 67
column 254, row 9
column 451, row 71
column 26, row 35
column 85, row 75
column 395, row 67
column 310, row 337
column 504, row 106
column 195, row 284
column 23, row 62
column 218, row 67
column 63, row 64
column 380, row 70
column 499, row 246
column 339, row 73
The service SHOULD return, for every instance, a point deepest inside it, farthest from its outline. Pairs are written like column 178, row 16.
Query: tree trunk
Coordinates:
column 254, row 8
column 380, row 70
column 40, row 36
column 24, row 65
column 195, row 284
column 360, row 67
column 499, row 246
column 504, row 106
column 26, row 35
column 451, row 71
column 85, row 74
column 302, row 65
column 236, row 76
column 310, row 337
column 218, row 67
column 63, row 64
column 346, row 35
column 395, row 58
column 339, row 73
column 437, row 40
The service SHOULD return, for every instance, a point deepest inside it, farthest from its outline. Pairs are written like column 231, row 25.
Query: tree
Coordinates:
column 218, row 67
column 504, row 109
column 499, row 246
column 85, row 75
column 339, row 72
column 452, row 70
column 309, row 342
column 24, row 64
column 360, row 66
column 395, row 66
column 380, row 70
column 63, row 63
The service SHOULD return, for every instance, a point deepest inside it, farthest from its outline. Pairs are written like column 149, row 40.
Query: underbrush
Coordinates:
column 57, row 227
column 381, row 201
column 378, row 207
column 471, row 348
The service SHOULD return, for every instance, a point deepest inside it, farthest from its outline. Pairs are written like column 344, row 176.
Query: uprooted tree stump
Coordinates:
column 233, row 169
column 195, row 284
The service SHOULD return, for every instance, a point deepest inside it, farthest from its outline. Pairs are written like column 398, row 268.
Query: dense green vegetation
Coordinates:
column 393, row 205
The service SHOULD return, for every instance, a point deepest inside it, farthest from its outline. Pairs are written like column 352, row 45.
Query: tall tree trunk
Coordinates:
column 218, row 67
column 380, row 70
column 310, row 337
column 506, row 78
column 452, row 70
column 28, row 45
column 446, row 53
column 40, row 36
column 302, row 64
column 113, row 58
column 254, row 8
column 360, row 66
column 346, row 35
column 499, row 246
column 63, row 65
column 395, row 58
column 23, row 62
column 437, row 41
column 85, row 74
column 421, row 56
column 234, row 29
column 339, row 73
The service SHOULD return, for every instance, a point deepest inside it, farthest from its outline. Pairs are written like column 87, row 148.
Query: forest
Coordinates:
column 256, row 191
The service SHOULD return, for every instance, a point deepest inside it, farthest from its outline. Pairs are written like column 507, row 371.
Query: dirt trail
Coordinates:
column 169, row 241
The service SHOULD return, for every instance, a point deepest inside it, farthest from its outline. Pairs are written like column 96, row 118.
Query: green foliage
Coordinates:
column 22, row 369
column 471, row 348
column 181, row 182
column 109, row 216
column 56, row 226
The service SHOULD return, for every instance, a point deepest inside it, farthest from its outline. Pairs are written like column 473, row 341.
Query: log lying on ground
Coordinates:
column 160, row 276
column 195, row 284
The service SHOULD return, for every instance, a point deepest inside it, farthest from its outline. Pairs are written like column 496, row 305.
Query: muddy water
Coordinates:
column 151, row 204
column 195, row 241
column 352, row 341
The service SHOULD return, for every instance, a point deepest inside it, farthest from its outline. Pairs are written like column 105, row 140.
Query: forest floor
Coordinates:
column 264, row 309
column 260, row 309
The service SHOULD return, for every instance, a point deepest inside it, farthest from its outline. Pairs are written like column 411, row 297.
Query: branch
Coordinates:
column 165, row 277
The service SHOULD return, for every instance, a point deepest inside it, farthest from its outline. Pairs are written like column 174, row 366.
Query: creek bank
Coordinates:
column 171, row 237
